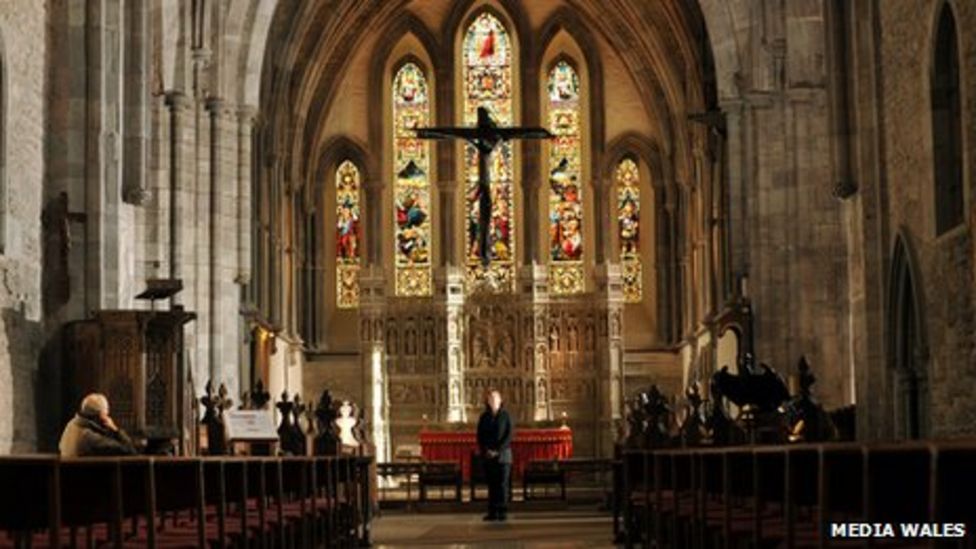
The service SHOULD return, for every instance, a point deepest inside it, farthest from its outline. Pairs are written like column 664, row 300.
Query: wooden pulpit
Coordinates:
column 135, row 357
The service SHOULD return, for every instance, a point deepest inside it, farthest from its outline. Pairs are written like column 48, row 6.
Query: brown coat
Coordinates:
column 84, row 436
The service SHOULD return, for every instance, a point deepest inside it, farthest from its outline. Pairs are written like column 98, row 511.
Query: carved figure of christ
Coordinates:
column 485, row 137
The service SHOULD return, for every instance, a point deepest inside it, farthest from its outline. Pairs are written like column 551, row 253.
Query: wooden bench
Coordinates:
column 785, row 496
column 545, row 473
column 183, row 502
column 440, row 474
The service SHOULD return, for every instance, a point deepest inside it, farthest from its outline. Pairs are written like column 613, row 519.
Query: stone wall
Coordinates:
column 897, row 200
column 787, row 226
column 23, row 43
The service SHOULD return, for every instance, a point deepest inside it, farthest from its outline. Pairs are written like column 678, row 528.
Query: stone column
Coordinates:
column 224, row 292
column 737, row 237
column 216, row 110
column 534, row 283
column 454, row 313
column 372, row 332
column 528, row 233
column 673, row 270
column 374, row 222
column 135, row 93
column 247, row 115
column 180, row 199
column 447, row 194
column 602, row 225
column 372, row 352
column 609, row 349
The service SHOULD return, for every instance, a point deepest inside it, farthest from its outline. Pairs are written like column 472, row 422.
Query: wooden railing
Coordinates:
column 407, row 482
column 286, row 502
column 789, row 496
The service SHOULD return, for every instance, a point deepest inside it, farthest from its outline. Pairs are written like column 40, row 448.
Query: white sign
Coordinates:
column 250, row 425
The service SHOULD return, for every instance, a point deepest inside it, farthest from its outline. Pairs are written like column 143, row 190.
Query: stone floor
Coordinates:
column 526, row 530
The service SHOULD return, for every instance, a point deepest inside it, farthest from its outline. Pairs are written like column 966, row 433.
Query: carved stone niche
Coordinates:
column 410, row 339
column 392, row 337
column 572, row 335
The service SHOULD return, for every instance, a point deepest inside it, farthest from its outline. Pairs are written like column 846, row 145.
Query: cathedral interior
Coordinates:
column 724, row 179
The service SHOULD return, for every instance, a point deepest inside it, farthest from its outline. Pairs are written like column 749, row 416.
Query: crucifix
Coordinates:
column 485, row 137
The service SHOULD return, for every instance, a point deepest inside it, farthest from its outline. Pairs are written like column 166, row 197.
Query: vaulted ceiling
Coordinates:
column 311, row 45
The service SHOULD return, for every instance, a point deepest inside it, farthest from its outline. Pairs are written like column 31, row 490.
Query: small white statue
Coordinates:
column 345, row 423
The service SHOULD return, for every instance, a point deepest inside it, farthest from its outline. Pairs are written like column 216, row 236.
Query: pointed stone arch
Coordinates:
column 906, row 343
column 398, row 30
column 947, row 89
column 565, row 20
column 650, row 155
column 318, row 223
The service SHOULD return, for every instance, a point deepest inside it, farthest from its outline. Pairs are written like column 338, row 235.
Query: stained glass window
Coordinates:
column 627, row 179
column 347, row 235
column 565, row 188
column 411, row 165
column 487, row 76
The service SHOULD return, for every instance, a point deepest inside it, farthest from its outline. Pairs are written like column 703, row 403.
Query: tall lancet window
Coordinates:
column 947, row 126
column 487, row 79
column 347, row 183
column 627, row 179
column 565, row 188
column 411, row 166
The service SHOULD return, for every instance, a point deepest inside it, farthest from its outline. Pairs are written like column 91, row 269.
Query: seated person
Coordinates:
column 93, row 433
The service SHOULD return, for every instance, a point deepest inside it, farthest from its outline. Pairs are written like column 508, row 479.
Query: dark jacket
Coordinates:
column 86, row 436
column 495, row 433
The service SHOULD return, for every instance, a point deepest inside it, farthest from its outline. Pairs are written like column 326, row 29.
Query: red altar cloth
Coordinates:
column 528, row 445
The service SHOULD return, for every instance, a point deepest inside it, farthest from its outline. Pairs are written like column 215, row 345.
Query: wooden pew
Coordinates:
column 184, row 502
column 440, row 474
column 91, row 499
column 952, row 482
column 630, row 477
column 545, row 473
column 30, row 502
column 236, row 502
column 297, row 503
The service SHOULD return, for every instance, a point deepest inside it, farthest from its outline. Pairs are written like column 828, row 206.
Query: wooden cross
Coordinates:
column 485, row 137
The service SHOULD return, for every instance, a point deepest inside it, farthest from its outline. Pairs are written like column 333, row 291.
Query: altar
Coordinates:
column 527, row 445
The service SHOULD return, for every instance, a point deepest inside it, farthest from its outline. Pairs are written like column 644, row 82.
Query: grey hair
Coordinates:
column 94, row 404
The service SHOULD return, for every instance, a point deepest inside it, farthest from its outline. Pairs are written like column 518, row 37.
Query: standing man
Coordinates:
column 495, row 430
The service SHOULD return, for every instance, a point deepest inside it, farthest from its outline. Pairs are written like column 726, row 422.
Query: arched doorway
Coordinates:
column 906, row 346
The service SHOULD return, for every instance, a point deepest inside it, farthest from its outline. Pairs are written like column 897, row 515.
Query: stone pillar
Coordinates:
column 372, row 352
column 106, row 277
column 737, row 237
column 135, row 94
column 180, row 199
column 246, row 119
column 374, row 222
column 216, row 110
column 534, row 285
column 372, row 332
column 454, row 313
column 602, row 221
column 672, row 296
column 609, row 349
column 528, row 233
column 447, row 194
